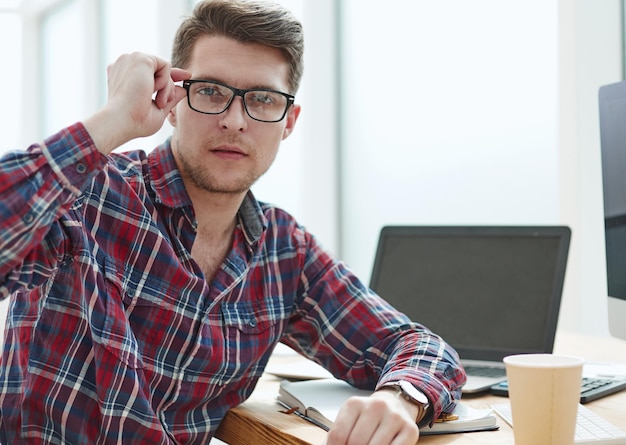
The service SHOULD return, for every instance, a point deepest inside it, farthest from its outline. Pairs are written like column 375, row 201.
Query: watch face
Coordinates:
column 412, row 392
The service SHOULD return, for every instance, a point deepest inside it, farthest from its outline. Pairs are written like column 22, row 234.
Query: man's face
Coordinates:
column 228, row 152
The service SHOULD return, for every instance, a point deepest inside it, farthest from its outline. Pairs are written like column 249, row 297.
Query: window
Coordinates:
column 11, row 80
column 64, row 72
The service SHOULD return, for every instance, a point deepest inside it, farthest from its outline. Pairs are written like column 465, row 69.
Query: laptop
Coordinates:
column 489, row 291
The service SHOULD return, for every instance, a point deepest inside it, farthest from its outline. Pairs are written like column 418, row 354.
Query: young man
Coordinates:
column 149, row 290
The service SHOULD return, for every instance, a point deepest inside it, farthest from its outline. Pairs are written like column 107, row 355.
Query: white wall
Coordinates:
column 450, row 116
column 481, row 112
column 590, row 56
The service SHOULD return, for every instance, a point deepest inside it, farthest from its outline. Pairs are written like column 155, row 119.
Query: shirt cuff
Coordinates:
column 73, row 157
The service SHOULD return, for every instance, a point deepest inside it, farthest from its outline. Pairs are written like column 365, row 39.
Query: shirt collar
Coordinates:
column 170, row 191
column 252, row 218
column 165, row 178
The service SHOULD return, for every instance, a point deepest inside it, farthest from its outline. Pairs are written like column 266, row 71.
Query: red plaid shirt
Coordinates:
column 113, row 334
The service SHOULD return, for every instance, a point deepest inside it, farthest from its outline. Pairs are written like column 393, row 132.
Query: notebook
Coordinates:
column 489, row 291
column 319, row 402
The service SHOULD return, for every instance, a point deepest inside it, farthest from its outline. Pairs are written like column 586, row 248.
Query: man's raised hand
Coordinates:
column 141, row 92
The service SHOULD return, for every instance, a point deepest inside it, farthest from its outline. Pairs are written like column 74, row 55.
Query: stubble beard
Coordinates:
column 204, row 180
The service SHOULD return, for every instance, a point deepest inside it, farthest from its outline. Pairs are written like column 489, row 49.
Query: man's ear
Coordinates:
column 171, row 117
column 292, row 117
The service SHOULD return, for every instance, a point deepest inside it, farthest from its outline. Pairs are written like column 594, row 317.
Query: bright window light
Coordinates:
column 6, row 5
column 10, row 31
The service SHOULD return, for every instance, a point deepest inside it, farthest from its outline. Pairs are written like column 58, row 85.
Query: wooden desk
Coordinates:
column 259, row 420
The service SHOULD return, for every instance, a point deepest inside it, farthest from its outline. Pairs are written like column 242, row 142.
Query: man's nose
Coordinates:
column 235, row 116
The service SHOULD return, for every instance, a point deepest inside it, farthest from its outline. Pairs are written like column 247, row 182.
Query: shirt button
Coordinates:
column 28, row 218
column 252, row 323
column 81, row 168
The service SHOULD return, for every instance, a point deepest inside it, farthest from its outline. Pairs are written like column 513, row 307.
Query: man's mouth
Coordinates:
column 229, row 152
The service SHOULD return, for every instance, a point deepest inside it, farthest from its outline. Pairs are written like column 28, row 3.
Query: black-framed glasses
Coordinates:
column 213, row 97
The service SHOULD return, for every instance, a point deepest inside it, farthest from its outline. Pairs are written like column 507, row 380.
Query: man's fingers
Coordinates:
column 373, row 420
column 167, row 93
column 163, row 83
column 179, row 74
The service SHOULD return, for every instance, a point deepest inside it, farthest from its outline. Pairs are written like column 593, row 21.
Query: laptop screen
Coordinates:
column 488, row 291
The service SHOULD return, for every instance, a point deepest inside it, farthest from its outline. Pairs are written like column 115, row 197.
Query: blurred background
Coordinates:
column 414, row 112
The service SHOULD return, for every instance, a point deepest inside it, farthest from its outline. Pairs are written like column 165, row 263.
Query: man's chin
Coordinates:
column 223, row 187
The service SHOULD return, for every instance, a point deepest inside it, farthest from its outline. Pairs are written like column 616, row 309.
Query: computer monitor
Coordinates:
column 612, row 105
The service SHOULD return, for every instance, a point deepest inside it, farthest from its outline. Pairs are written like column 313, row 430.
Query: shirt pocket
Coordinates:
column 251, row 330
column 114, row 332
column 154, row 312
column 253, row 317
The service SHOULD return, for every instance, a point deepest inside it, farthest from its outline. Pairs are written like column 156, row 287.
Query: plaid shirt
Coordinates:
column 113, row 334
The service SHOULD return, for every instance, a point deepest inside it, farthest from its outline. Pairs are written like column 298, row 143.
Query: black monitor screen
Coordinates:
column 486, row 290
column 613, row 149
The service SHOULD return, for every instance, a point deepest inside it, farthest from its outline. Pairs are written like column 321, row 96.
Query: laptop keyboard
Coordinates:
column 594, row 388
column 590, row 427
column 591, row 388
column 485, row 371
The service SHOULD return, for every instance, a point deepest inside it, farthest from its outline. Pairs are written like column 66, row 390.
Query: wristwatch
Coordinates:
column 410, row 393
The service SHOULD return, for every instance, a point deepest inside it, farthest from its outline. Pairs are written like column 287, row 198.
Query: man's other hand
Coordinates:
column 380, row 419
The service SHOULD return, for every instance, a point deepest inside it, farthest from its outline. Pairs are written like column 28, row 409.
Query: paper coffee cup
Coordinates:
column 544, row 391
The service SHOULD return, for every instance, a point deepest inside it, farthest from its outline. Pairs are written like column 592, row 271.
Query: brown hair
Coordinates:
column 247, row 21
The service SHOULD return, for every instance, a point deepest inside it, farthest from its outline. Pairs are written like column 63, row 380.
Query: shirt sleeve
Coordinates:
column 347, row 328
column 37, row 186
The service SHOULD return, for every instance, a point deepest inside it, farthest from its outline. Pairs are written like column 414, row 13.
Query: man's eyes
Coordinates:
column 262, row 98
